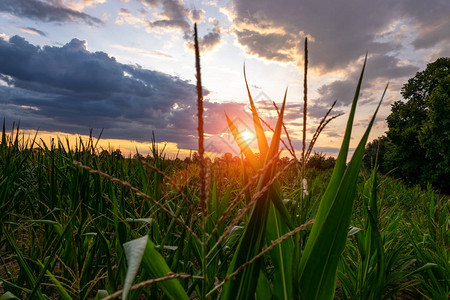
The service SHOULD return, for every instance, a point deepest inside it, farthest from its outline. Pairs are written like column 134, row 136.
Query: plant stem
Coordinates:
column 305, row 106
column 203, row 194
column 305, row 112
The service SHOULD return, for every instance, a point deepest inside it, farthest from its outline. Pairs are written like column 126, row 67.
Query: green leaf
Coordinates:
column 101, row 294
column 143, row 250
column 243, row 286
column 62, row 291
column 281, row 255
column 260, row 135
column 263, row 291
column 134, row 251
column 318, row 265
column 333, row 185
column 31, row 279
column 8, row 296
column 243, row 146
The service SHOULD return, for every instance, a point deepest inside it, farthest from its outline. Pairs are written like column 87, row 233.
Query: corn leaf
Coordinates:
column 143, row 250
column 243, row 286
column 281, row 255
column 263, row 291
column 62, row 291
column 31, row 279
column 333, row 185
column 318, row 265
column 8, row 296
column 260, row 135
column 244, row 147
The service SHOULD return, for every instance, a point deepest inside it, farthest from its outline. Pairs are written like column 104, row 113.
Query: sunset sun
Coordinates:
column 248, row 136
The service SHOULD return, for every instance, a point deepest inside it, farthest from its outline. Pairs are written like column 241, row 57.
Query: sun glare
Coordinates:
column 247, row 136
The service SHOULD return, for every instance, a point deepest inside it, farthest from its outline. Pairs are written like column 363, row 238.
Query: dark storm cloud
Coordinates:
column 341, row 30
column 70, row 89
column 49, row 11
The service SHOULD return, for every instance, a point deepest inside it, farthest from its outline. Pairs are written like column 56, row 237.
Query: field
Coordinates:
column 80, row 222
column 63, row 228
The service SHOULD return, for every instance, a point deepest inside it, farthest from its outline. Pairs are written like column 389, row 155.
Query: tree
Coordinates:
column 380, row 148
column 434, row 135
column 419, row 128
column 319, row 161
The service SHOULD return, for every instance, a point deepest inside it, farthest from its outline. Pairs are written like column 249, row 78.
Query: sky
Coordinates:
column 127, row 66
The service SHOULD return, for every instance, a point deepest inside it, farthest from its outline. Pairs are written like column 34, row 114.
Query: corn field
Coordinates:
column 77, row 222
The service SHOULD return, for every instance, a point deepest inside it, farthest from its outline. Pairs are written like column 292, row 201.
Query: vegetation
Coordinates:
column 417, row 146
column 77, row 222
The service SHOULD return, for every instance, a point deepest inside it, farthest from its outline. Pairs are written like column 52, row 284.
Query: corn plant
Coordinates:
column 377, row 261
column 428, row 234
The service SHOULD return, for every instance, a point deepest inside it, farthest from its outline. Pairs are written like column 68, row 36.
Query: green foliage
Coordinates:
column 143, row 250
column 419, row 128
column 378, row 150
column 64, row 227
column 434, row 135
column 318, row 264
column 319, row 161
column 375, row 264
column 428, row 233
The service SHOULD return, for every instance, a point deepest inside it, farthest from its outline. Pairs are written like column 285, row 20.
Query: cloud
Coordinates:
column 208, row 42
column 144, row 51
column 379, row 67
column 271, row 46
column 125, row 16
column 31, row 30
column 174, row 15
column 197, row 15
column 340, row 31
column 70, row 89
column 82, row 4
column 51, row 11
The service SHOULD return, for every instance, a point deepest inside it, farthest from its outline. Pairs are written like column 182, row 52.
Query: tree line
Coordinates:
column 416, row 147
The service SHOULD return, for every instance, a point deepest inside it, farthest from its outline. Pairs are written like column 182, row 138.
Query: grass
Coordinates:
column 78, row 222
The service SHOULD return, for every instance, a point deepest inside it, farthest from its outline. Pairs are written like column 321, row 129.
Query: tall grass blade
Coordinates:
column 62, row 291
